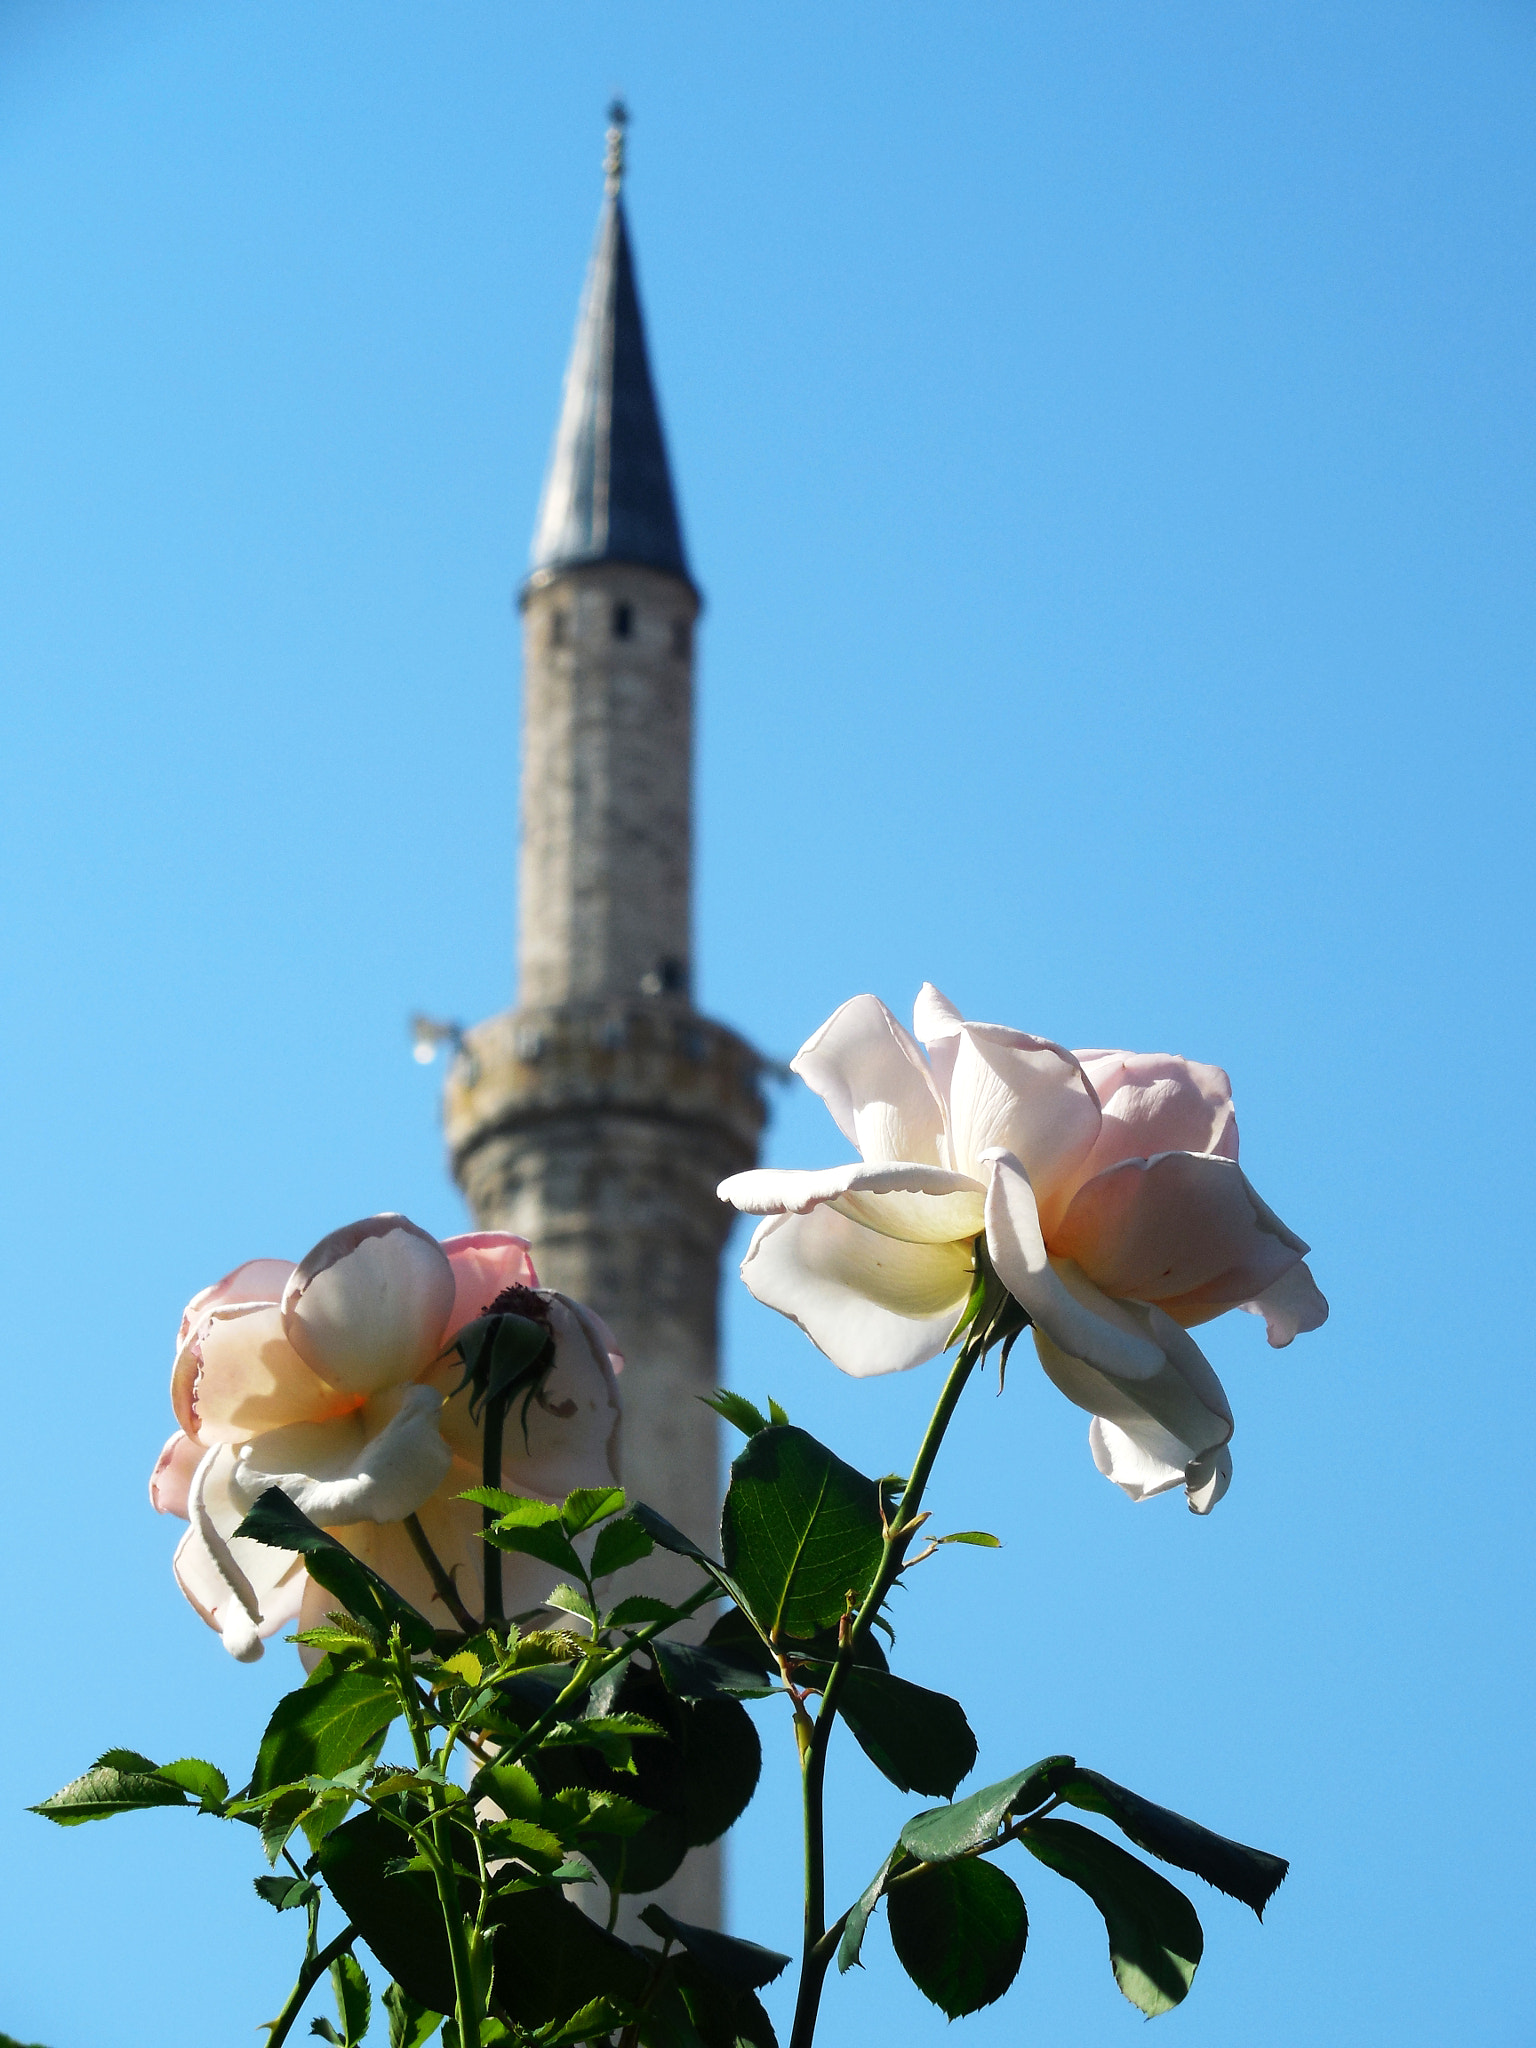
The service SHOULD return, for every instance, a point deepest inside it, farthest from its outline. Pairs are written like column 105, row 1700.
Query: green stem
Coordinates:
column 315, row 1967
column 466, row 1996
column 490, row 1475
column 442, row 1585
column 817, row 1953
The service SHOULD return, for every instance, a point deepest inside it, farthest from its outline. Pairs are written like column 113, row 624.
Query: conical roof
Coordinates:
column 608, row 494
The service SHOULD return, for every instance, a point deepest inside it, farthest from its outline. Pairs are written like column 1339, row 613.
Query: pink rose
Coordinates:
column 1106, row 1187
column 326, row 1379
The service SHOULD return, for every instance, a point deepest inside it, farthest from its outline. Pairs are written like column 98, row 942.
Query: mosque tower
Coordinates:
column 597, row 1116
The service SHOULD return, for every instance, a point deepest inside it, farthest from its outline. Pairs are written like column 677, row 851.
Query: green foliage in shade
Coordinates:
column 959, row 1930
column 698, row 1672
column 1155, row 1942
column 694, row 1783
column 396, row 1912
column 410, row 2025
column 9, row 2040
column 338, row 1719
column 801, row 1532
column 944, row 1832
column 919, row 1739
column 1252, row 1875
column 735, row 1964
column 550, row 1959
column 276, row 1521
column 121, row 1781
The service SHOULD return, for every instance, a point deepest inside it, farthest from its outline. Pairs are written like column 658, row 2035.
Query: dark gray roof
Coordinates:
column 608, row 494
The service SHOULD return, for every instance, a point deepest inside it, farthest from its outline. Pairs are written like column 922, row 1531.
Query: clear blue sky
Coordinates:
column 1105, row 436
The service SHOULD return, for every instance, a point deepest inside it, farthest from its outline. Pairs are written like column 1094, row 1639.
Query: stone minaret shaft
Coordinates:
column 597, row 1117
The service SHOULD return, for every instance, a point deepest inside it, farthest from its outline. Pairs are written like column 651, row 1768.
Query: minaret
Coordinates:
column 597, row 1117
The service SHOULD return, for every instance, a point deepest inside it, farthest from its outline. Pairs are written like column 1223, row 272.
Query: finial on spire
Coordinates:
column 613, row 159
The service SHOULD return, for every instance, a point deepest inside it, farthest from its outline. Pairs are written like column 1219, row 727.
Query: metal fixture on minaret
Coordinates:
column 597, row 1116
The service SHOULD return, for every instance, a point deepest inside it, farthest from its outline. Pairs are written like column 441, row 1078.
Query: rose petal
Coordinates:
column 872, row 1076
column 367, row 1307
column 1290, row 1305
column 1173, row 1419
column 485, row 1263
column 920, row 1204
column 1157, row 1102
column 1089, row 1327
column 172, row 1476
column 1141, row 1472
column 872, row 1303
column 256, row 1280
column 245, row 1590
column 1183, row 1229
column 1025, row 1096
column 937, row 1023
column 602, row 1338
column 238, row 1375
column 377, row 1466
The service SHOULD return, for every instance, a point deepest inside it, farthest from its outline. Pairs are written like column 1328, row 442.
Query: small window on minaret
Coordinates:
column 623, row 621
column 680, row 638
column 557, row 628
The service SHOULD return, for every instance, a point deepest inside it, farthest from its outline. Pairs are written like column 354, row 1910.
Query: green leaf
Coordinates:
column 550, row 1960
column 286, row 1893
column 398, row 1915
column 336, row 1720
column 919, row 1739
column 611, row 1735
column 622, row 1542
column 410, row 2025
column 977, row 1536
column 959, row 1930
column 637, row 1609
column 699, row 1673
column 513, row 1788
column 1251, row 1875
column 611, row 1814
column 775, row 1412
column 276, row 1521
column 281, row 1816
column 569, row 1601
column 122, row 1781
column 354, row 2002
column 737, row 1410
column 800, row 1533
column 589, row 1504
column 944, row 1832
column 695, row 1782
column 524, row 1837
column 737, row 1965
column 545, row 1541
column 858, row 1918
column 208, row 1786
column 1155, row 1942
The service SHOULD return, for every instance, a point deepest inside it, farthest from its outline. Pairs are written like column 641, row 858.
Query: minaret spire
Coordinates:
column 608, row 493
column 613, row 155
column 597, row 1117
